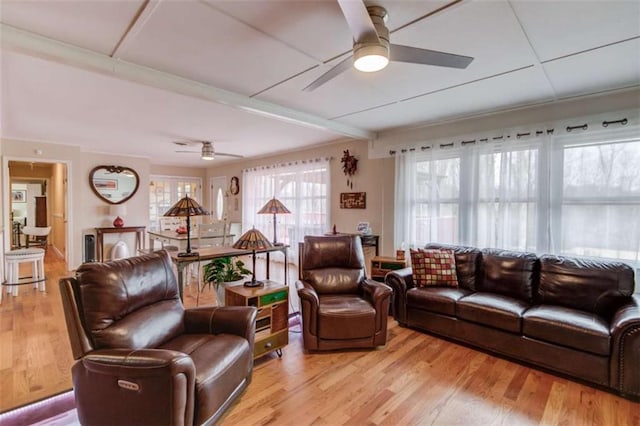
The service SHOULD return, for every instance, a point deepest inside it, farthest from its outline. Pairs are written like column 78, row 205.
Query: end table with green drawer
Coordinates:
column 272, row 322
column 381, row 265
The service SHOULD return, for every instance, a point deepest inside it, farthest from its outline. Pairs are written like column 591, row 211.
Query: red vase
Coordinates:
column 118, row 222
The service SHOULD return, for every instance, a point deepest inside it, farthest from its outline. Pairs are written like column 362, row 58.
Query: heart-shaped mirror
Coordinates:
column 114, row 184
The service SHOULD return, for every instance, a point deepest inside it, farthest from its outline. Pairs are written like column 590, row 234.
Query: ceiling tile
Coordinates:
column 105, row 114
column 94, row 25
column 196, row 41
column 462, row 30
column 506, row 91
column 316, row 27
column 608, row 68
column 558, row 28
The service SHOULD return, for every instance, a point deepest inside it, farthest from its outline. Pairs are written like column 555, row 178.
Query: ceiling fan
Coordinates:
column 372, row 50
column 207, row 152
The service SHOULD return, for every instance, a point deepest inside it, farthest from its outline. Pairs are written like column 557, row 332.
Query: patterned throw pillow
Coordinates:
column 433, row 268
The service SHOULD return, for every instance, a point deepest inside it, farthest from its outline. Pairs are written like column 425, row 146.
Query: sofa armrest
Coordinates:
column 140, row 362
column 400, row 281
column 309, row 309
column 379, row 295
column 145, row 386
column 238, row 320
column 625, row 356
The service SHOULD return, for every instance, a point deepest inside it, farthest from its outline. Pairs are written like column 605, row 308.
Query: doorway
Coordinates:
column 37, row 197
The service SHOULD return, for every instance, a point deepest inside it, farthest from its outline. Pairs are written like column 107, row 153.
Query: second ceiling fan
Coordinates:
column 207, row 152
column 372, row 50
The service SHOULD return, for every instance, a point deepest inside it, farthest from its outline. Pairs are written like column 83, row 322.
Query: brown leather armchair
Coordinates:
column 341, row 308
column 142, row 358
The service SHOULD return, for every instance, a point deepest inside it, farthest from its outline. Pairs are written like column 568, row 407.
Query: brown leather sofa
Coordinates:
column 576, row 317
column 341, row 308
column 142, row 358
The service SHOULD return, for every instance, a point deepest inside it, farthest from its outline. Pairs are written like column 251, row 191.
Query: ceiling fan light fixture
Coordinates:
column 370, row 58
column 207, row 151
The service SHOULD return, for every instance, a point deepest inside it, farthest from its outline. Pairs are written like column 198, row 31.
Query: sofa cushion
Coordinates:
column 120, row 296
column 584, row 284
column 433, row 268
column 510, row 273
column 222, row 363
column 467, row 263
column 576, row 329
column 441, row 300
column 491, row 309
column 345, row 317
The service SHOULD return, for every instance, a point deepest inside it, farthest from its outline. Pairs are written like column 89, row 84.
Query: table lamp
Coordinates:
column 252, row 240
column 274, row 206
column 118, row 210
column 187, row 207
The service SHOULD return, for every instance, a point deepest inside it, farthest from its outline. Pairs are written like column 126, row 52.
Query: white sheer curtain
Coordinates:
column 302, row 186
column 572, row 194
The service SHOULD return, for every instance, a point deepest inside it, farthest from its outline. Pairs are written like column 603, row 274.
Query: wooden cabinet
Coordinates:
column 272, row 322
column 381, row 265
column 41, row 211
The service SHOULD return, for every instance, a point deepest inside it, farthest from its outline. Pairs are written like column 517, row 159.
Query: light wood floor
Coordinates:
column 415, row 379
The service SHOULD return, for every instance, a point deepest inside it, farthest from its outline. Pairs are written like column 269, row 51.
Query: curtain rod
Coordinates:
column 287, row 163
column 550, row 131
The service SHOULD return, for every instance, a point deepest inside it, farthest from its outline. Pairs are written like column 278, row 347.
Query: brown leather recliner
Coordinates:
column 341, row 308
column 142, row 358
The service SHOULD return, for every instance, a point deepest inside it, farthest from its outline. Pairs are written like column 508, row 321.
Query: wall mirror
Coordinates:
column 114, row 184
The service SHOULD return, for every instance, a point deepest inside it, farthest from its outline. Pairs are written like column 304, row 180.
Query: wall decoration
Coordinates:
column 19, row 196
column 353, row 200
column 234, row 188
column 349, row 166
column 114, row 184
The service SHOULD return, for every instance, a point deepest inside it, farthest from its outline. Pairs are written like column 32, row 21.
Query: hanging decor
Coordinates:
column 349, row 167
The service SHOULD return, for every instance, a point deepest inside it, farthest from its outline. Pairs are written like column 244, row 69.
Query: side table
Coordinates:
column 381, row 265
column 272, row 322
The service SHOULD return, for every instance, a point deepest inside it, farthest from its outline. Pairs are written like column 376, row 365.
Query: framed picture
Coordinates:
column 353, row 200
column 363, row 228
column 19, row 196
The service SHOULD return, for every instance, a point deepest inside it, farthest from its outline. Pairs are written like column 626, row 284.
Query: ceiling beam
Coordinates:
column 35, row 45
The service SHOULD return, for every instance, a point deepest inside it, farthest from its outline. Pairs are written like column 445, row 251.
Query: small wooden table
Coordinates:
column 208, row 253
column 139, row 230
column 272, row 322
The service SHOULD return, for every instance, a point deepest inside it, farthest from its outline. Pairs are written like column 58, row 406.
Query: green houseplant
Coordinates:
column 222, row 270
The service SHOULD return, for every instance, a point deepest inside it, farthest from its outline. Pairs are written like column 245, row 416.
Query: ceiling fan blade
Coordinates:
column 359, row 21
column 333, row 72
column 183, row 151
column 416, row 55
column 222, row 154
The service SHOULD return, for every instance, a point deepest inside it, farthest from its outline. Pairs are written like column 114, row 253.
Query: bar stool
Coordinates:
column 13, row 259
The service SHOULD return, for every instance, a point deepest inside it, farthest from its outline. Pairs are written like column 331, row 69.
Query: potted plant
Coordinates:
column 220, row 271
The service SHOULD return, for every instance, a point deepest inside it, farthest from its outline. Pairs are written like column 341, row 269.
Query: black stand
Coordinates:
column 253, row 282
column 189, row 253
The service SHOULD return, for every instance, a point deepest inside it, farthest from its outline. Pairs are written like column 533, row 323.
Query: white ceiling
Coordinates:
column 130, row 77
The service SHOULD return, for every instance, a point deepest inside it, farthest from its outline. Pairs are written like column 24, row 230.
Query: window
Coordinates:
column 303, row 187
column 601, row 200
column 507, row 198
column 165, row 191
column 576, row 195
column 437, row 202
